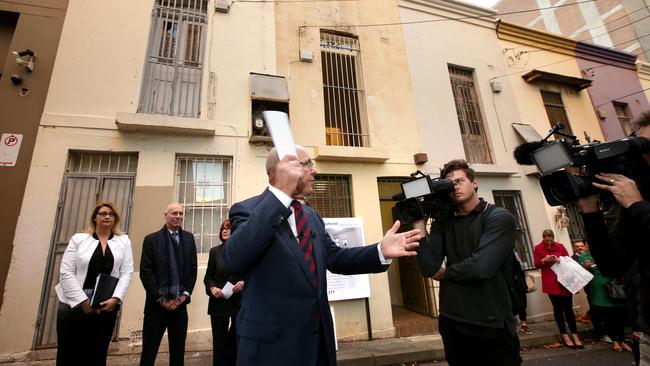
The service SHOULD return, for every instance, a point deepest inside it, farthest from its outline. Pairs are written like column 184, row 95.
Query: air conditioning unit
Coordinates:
column 268, row 93
column 222, row 6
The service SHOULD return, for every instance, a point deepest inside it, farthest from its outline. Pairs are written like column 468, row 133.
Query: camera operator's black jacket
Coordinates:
column 479, row 257
column 617, row 250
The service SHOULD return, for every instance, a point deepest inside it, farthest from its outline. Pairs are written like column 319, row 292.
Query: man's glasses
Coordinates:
column 307, row 164
column 106, row 213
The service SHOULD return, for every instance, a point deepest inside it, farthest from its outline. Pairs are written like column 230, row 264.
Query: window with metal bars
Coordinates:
column 555, row 110
column 576, row 225
column 472, row 129
column 344, row 97
column 511, row 200
column 174, row 68
column 623, row 117
column 332, row 196
column 203, row 188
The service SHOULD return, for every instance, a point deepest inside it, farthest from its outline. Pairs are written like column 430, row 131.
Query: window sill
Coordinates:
column 142, row 122
column 491, row 170
column 351, row 154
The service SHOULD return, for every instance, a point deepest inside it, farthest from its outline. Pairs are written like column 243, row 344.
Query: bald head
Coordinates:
column 272, row 159
column 174, row 216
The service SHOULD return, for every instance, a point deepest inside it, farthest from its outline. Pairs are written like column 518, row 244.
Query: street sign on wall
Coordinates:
column 9, row 148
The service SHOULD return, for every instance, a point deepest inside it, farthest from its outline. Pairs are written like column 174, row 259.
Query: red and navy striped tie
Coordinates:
column 304, row 239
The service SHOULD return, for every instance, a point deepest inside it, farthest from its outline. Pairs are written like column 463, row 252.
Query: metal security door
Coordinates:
column 79, row 195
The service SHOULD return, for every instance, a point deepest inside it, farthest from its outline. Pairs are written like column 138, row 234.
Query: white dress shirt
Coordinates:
column 286, row 201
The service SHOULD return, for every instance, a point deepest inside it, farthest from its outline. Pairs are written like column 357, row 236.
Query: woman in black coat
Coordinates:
column 224, row 290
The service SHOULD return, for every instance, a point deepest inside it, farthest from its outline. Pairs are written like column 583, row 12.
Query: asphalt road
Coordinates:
column 597, row 354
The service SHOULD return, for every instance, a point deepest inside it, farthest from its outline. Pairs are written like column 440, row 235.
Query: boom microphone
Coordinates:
column 523, row 152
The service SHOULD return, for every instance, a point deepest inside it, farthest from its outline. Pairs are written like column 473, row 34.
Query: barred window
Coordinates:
column 203, row 188
column 174, row 69
column 511, row 200
column 345, row 114
column 472, row 129
column 331, row 197
column 556, row 111
column 623, row 117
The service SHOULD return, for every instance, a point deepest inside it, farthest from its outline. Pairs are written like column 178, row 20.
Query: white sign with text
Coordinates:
column 9, row 148
column 347, row 232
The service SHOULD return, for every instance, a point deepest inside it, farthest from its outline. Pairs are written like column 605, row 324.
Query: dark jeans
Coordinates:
column 156, row 320
column 83, row 339
column 614, row 319
column 471, row 345
column 224, row 344
column 563, row 311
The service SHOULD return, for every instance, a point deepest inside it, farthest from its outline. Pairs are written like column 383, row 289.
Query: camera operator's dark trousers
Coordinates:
column 156, row 320
column 469, row 345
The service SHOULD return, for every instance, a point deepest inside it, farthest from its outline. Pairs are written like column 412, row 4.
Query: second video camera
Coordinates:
column 424, row 197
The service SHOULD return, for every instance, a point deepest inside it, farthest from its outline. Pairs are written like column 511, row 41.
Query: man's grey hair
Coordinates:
column 272, row 159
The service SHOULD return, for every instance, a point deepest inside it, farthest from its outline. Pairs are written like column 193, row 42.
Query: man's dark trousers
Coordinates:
column 156, row 320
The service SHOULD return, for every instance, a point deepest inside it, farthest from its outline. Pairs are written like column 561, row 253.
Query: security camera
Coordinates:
column 16, row 79
column 25, row 58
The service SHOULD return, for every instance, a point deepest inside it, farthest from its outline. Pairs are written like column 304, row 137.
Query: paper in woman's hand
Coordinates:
column 227, row 290
column 278, row 124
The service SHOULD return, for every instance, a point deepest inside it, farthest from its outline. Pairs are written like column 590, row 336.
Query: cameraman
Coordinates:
column 629, row 240
column 476, row 322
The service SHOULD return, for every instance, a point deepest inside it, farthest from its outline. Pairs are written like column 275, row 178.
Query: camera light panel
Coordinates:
column 551, row 158
column 416, row 188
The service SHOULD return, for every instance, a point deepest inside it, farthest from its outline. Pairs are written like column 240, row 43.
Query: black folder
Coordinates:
column 104, row 288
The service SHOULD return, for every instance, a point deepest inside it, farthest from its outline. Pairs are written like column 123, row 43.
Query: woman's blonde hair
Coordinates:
column 116, row 222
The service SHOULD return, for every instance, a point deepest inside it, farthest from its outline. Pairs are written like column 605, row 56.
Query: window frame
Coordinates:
column 222, row 205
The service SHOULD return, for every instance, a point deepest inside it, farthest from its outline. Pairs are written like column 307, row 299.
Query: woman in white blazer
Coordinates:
column 83, row 332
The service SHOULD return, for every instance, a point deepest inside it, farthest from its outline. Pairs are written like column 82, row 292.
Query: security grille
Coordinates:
column 576, row 225
column 203, row 188
column 90, row 177
column 389, row 187
column 472, row 129
column 331, row 197
column 555, row 110
column 174, row 69
column 345, row 111
column 511, row 200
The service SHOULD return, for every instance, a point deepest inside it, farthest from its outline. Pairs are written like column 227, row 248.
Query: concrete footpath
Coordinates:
column 391, row 351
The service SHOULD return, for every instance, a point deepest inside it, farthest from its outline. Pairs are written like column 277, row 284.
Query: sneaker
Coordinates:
column 605, row 339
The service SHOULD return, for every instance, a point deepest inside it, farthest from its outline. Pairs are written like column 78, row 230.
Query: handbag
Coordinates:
column 530, row 283
column 615, row 290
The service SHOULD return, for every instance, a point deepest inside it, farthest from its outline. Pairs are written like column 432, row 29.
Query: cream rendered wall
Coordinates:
column 391, row 120
column 97, row 74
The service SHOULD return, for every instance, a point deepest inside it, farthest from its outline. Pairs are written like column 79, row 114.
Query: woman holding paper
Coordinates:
column 224, row 290
column 547, row 253
column 84, row 332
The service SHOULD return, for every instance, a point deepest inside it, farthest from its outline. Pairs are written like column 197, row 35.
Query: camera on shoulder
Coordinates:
column 568, row 168
column 424, row 197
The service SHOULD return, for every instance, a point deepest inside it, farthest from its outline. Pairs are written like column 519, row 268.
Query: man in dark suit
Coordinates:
column 168, row 273
column 282, row 249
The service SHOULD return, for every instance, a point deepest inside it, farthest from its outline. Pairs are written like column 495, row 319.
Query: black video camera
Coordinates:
column 424, row 197
column 568, row 168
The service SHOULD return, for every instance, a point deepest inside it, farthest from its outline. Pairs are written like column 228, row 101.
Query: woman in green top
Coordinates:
column 612, row 312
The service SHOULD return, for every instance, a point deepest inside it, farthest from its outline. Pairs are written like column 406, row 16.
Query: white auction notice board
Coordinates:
column 347, row 232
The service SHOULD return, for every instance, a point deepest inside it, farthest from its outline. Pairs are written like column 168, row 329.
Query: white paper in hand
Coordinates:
column 278, row 124
column 227, row 290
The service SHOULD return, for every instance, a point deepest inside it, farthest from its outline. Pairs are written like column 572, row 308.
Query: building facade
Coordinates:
column 159, row 101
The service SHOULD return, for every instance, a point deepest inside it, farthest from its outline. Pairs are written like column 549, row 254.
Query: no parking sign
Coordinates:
column 9, row 148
